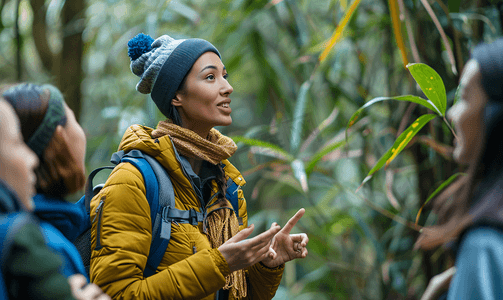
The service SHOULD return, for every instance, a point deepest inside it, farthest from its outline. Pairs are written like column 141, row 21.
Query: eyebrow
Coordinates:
column 210, row 67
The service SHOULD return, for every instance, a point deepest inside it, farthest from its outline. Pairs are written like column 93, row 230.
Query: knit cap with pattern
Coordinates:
column 162, row 65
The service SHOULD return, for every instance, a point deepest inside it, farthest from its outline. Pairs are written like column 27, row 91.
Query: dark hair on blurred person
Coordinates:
column 41, row 109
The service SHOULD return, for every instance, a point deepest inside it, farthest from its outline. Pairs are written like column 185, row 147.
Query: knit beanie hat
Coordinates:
column 23, row 97
column 162, row 65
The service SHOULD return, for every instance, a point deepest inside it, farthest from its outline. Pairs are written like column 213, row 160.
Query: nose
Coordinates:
column 226, row 88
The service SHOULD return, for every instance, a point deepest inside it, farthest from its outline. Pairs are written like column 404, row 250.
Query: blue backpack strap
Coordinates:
column 152, row 188
column 89, row 188
column 161, row 230
column 9, row 225
column 161, row 198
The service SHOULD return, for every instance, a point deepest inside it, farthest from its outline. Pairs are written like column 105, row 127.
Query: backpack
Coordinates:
column 10, row 224
column 161, row 198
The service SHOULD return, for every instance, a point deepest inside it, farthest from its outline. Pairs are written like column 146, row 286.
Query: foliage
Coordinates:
column 300, row 70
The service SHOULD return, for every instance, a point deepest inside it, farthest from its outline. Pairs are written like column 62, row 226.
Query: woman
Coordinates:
column 50, row 130
column 188, row 83
column 473, row 216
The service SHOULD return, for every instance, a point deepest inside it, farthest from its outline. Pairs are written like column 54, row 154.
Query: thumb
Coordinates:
column 77, row 281
column 243, row 234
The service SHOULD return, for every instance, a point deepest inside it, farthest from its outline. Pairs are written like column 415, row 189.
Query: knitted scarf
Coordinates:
column 215, row 148
column 221, row 222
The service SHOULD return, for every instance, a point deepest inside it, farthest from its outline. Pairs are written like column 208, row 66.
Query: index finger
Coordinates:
column 293, row 220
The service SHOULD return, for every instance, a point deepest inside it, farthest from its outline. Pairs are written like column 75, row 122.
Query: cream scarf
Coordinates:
column 222, row 224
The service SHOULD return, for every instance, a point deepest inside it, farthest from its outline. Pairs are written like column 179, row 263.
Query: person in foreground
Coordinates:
column 211, row 259
column 50, row 130
column 471, row 210
column 30, row 270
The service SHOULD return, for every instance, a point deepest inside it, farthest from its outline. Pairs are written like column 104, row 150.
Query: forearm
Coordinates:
column 195, row 277
column 264, row 281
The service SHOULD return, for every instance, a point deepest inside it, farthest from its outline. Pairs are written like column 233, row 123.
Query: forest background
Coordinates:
column 299, row 69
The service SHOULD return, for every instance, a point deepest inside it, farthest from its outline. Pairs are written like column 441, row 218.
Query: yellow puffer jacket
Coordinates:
column 122, row 229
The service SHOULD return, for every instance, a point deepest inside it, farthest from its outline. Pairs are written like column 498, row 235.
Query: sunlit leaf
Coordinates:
column 298, row 117
column 274, row 150
column 438, row 190
column 395, row 18
column 431, row 84
column 415, row 99
column 399, row 144
column 300, row 173
column 339, row 30
column 344, row 4
column 320, row 154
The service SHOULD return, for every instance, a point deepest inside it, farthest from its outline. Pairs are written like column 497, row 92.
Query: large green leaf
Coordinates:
column 298, row 117
column 399, row 144
column 431, row 84
column 276, row 151
column 410, row 98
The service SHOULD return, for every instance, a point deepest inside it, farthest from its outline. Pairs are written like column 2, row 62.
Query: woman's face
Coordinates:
column 17, row 160
column 76, row 137
column 204, row 102
column 467, row 114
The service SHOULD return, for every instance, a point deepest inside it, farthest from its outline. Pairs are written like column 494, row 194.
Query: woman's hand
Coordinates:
column 240, row 252
column 438, row 284
column 288, row 246
column 83, row 291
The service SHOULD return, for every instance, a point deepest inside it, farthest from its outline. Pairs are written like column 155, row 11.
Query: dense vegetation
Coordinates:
column 300, row 70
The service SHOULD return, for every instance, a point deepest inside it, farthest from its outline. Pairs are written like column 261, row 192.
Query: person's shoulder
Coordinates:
column 482, row 239
column 232, row 172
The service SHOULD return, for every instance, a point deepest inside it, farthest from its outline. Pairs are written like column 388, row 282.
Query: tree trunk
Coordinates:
column 70, row 73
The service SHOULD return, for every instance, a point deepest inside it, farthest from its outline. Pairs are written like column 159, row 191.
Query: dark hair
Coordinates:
column 173, row 113
column 57, row 174
column 476, row 198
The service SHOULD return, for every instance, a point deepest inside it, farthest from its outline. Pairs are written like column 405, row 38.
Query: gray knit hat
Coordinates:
column 162, row 65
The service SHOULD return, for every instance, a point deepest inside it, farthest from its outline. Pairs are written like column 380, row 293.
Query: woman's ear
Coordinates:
column 177, row 100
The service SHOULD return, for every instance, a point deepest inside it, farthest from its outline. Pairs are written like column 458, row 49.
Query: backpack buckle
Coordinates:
column 193, row 217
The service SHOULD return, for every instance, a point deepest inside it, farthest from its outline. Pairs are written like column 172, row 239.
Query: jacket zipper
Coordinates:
column 99, row 215
column 185, row 174
column 193, row 244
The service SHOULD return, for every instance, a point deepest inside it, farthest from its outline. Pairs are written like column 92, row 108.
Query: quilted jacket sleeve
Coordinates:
column 263, row 281
column 121, row 237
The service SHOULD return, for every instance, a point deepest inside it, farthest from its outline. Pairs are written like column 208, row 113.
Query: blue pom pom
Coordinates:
column 141, row 43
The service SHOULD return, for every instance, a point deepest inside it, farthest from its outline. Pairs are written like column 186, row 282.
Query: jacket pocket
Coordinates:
column 99, row 217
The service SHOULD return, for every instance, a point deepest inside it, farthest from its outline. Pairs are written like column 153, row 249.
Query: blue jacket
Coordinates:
column 479, row 265
column 61, row 222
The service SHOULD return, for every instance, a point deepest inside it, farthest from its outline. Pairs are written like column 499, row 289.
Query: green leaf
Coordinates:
column 431, row 84
column 274, row 150
column 438, row 190
column 457, row 95
column 298, row 117
column 410, row 98
column 319, row 155
column 399, row 144
column 300, row 173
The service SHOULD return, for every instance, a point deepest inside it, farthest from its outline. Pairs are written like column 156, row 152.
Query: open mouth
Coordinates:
column 224, row 105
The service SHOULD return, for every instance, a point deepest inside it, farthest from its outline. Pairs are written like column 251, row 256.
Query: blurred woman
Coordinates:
column 51, row 131
column 471, row 211
column 211, row 259
column 40, row 277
